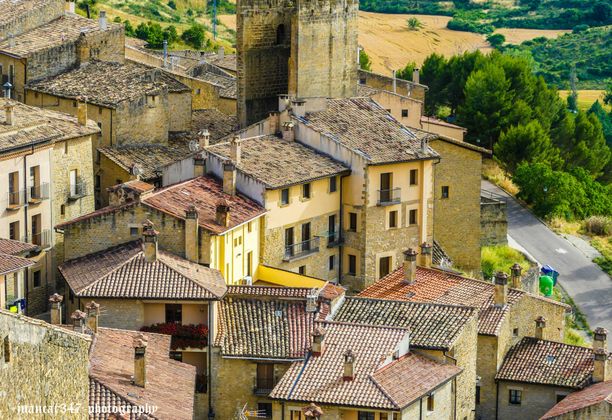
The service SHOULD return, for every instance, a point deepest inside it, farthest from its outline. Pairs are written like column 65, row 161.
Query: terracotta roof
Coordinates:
column 363, row 126
column 264, row 328
column 130, row 82
column 589, row 396
column 279, row 163
column 431, row 326
column 204, row 193
column 216, row 122
column 33, row 125
column 545, row 362
column 227, row 61
column 12, row 263
column 365, row 90
column 122, row 272
column 60, row 31
column 320, row 379
column 436, row 121
column 103, row 397
column 135, row 185
column 271, row 291
column 228, row 85
column 411, row 376
column 170, row 384
column 11, row 247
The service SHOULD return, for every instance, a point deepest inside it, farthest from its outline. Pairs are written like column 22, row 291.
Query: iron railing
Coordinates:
column 42, row 238
column 38, row 192
column 77, row 190
column 16, row 199
column 301, row 249
column 264, row 386
column 391, row 196
column 334, row 239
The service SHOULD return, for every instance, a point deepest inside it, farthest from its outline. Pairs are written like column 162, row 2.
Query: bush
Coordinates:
column 598, row 225
column 194, row 36
column 580, row 28
column 496, row 40
column 500, row 258
column 414, row 24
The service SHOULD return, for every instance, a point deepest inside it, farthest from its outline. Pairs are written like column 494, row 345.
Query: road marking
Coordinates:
column 561, row 251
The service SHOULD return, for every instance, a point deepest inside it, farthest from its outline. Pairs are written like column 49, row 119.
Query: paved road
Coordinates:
column 583, row 280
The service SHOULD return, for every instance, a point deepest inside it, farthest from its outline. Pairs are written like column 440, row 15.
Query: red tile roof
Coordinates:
column 204, row 193
column 11, row 247
column 591, row 395
column 12, row 263
column 270, row 291
column 545, row 362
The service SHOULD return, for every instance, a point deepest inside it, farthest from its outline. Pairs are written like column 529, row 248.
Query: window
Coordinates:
column 198, row 91
column 174, row 313
column 404, row 113
column 295, row 415
column 134, row 231
column 36, row 230
column 63, row 210
column 176, row 355
column 445, row 192
column 414, row 176
column 302, row 270
column 333, row 184
column 289, row 241
column 74, row 104
column 249, row 270
column 384, row 267
column 412, row 217
column 36, row 279
column 66, row 147
column 515, row 332
column 431, row 403
column 477, row 394
column 284, row 197
column 331, row 227
column 306, row 191
column 98, row 181
column 250, row 227
column 332, row 262
column 352, row 265
column 14, row 188
column 14, row 231
column 280, row 34
column 515, row 396
column 306, row 235
column 265, row 376
column 264, row 409
column 35, row 191
column 393, row 219
column 73, row 182
column 352, row 222
column 386, row 183
column 365, row 415
column 99, row 111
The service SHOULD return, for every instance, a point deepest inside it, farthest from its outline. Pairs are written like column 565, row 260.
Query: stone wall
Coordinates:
column 601, row 410
column 47, row 366
column 402, row 87
column 536, row 400
column 493, row 222
column 152, row 112
column 44, row 12
column 465, row 352
column 179, row 111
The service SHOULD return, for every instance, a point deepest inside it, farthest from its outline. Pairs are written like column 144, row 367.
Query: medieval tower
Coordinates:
column 304, row 48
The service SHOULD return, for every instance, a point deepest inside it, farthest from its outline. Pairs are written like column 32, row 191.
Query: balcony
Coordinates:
column 389, row 197
column 183, row 336
column 301, row 249
column 334, row 239
column 37, row 193
column 77, row 191
column 201, row 384
column 263, row 386
column 42, row 238
column 16, row 199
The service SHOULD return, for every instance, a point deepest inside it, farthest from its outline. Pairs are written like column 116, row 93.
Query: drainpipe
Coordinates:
column 282, row 410
column 211, row 411
column 496, row 399
column 421, row 409
column 25, row 222
column 455, row 397
column 340, row 230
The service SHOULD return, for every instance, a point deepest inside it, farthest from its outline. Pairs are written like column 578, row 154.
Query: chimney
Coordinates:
column 515, row 272
column 410, row 266
column 501, row 289
column 317, row 341
column 78, row 321
column 283, row 102
column 83, row 50
column 394, row 81
column 140, row 360
column 222, row 213
column 424, row 145
column 149, row 238
column 203, row 138
column 92, row 309
column 221, row 52
column 229, row 178
column 426, row 255
column 82, row 110
column 9, row 110
column 298, row 106
column 600, row 365
column 191, row 234
column 56, row 308
column 102, row 20
column 312, row 412
column 274, row 121
column 199, row 165
column 288, row 132
column 70, row 7
column 415, row 76
column 540, row 325
column 11, row 40
column 235, row 150
column 349, row 366
column 600, row 339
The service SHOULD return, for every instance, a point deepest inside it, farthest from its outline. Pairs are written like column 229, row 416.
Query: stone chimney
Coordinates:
column 149, row 239
column 600, row 367
column 298, row 106
column 539, row 329
column 191, row 234
column 312, row 412
column 394, row 81
column 235, row 150
column 70, row 6
column 600, row 339
column 426, row 255
column 515, row 272
column 222, row 213
column 93, row 310
column 203, row 138
column 410, row 266
column 288, row 131
column 318, row 346
column 199, row 165
column 56, row 308
column 349, row 366
column 83, row 50
column 501, row 289
column 102, row 20
column 140, row 360
column 274, row 121
column 229, row 178
column 416, row 76
column 82, row 110
column 9, row 114
column 221, row 52
column 78, row 321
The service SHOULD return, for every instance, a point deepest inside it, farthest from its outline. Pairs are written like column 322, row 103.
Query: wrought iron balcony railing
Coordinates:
column 15, row 199
column 334, row 239
column 301, row 249
column 42, row 238
column 37, row 193
column 77, row 190
column 392, row 196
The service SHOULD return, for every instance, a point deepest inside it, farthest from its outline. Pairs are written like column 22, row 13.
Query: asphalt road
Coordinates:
column 584, row 281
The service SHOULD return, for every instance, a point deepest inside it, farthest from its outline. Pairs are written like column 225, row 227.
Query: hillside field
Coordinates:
column 586, row 98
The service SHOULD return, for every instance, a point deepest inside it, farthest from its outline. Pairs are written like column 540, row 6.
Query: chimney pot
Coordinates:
column 288, row 131
column 235, row 150
column 222, row 213
column 56, row 308
column 410, row 257
column 318, row 345
column 600, row 339
column 9, row 110
column 426, row 254
column 501, row 288
column 349, row 366
column 229, row 178
column 78, row 321
column 540, row 325
column 515, row 272
column 149, row 237
column 140, row 360
column 102, row 20
column 203, row 138
column 416, row 76
column 93, row 309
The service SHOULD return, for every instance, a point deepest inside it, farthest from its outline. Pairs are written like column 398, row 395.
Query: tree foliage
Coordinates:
column 406, row 72
column 364, row 61
column 194, row 36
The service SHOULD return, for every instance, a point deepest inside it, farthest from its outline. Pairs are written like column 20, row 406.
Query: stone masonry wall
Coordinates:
column 493, row 222
column 47, row 366
column 147, row 111
column 403, row 87
column 44, row 12
column 465, row 351
column 179, row 111
column 536, row 400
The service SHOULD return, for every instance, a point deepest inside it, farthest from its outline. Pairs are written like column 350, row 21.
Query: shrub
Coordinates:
column 496, row 40
column 580, row 28
column 500, row 258
column 414, row 24
column 598, row 225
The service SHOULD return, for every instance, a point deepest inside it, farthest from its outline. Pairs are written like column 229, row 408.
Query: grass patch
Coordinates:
column 491, row 171
column 603, row 245
column 576, row 326
column 500, row 258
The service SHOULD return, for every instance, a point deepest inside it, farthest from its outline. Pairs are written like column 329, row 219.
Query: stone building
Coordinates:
column 13, row 266
column 45, row 178
column 593, row 402
column 40, row 40
column 305, row 49
column 536, row 373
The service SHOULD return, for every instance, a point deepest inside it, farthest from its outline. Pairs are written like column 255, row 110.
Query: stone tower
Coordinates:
column 304, row 48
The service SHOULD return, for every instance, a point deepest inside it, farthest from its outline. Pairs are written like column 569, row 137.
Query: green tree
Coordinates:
column 608, row 95
column 589, row 149
column 414, row 24
column 129, row 29
column 459, row 68
column 526, row 143
column 496, row 40
column 406, row 72
column 142, row 31
column 605, row 119
column 171, row 35
column 194, row 36
column 155, row 38
column 364, row 61
column 435, row 75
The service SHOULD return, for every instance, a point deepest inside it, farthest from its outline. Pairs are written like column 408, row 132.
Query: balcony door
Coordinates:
column 265, row 377
column 36, row 230
column 386, row 185
column 73, row 182
column 289, row 241
column 384, row 267
column 306, row 237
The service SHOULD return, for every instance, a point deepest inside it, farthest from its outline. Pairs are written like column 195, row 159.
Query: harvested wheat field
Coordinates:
column 517, row 36
column 586, row 98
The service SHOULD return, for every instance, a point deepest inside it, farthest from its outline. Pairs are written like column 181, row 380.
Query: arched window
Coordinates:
column 280, row 34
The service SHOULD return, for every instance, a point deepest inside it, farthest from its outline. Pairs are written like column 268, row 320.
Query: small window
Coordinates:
column 404, row 113
column 306, row 191
column 14, row 231
column 176, row 355
column 477, row 394
column 414, row 176
column 352, row 222
column 265, row 376
column 134, row 231
column 302, row 270
column 431, row 403
column 332, row 262
column 63, row 210
column 74, row 104
column 98, row 156
column 36, row 279
column 280, row 34
column 412, row 217
column 99, row 111
column 445, row 192
column 235, row 242
column 98, row 181
column 250, row 227
column 515, row 332
column 264, row 409
column 393, row 219
column 66, row 147
column 365, row 415
column 384, row 267
column 295, row 415
column 515, row 396
column 333, row 184
column 352, row 265
column 198, row 91
column 284, row 197
column 249, row 270
column 174, row 313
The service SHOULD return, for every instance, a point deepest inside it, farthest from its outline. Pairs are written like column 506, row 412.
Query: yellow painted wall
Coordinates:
column 154, row 313
column 285, row 278
column 396, row 103
column 19, row 74
column 229, row 252
column 197, row 359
